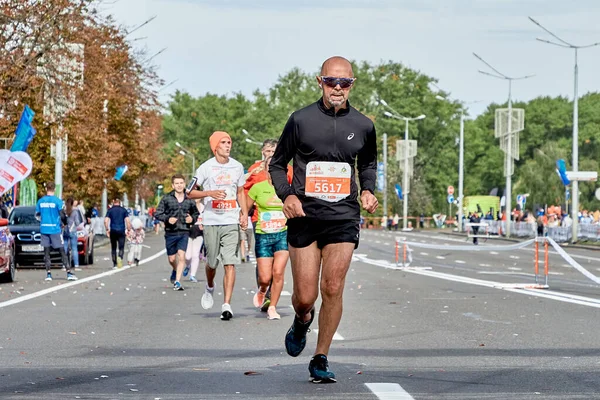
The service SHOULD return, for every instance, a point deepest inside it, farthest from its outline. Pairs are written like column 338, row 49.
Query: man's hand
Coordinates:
column 243, row 221
column 369, row 201
column 107, row 232
column 292, row 208
column 172, row 220
column 217, row 194
column 188, row 219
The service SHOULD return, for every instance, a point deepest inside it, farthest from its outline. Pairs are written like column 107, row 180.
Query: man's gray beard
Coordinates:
column 336, row 103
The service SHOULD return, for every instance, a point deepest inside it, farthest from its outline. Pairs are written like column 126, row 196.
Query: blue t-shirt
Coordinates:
column 49, row 209
column 117, row 215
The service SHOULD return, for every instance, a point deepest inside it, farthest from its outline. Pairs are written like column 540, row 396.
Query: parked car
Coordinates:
column 28, row 251
column 7, row 253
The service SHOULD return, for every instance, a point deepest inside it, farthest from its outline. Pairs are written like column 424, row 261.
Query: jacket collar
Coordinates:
column 331, row 111
column 172, row 193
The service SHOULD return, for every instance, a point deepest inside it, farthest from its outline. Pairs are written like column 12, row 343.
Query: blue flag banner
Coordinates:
column 380, row 177
column 120, row 172
column 25, row 131
column 561, row 170
column 398, row 189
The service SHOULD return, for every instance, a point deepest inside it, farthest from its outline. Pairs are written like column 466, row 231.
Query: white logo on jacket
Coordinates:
column 351, row 136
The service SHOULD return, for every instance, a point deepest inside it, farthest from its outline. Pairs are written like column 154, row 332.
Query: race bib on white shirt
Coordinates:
column 227, row 205
column 328, row 181
column 227, row 177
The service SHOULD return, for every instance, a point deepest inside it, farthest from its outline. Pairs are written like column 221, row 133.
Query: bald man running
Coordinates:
column 326, row 140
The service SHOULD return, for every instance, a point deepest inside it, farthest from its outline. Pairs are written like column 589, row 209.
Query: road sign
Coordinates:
column 583, row 175
column 450, row 190
column 450, row 199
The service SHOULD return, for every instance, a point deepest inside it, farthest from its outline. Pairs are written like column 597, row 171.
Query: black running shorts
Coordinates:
column 302, row 232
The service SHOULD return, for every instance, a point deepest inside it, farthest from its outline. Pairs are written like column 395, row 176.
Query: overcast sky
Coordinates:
column 226, row 46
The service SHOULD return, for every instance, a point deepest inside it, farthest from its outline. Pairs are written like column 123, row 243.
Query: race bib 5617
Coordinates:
column 328, row 181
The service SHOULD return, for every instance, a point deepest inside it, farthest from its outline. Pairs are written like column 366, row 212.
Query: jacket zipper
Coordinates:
column 334, row 132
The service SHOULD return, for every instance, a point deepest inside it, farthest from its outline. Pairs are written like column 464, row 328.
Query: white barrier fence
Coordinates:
column 405, row 248
column 587, row 232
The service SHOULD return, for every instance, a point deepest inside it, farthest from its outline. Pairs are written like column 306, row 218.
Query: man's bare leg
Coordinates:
column 336, row 262
column 210, row 275
column 228, row 283
column 306, row 265
column 180, row 265
column 173, row 261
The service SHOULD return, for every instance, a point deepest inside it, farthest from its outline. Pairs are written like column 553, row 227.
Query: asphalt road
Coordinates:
column 449, row 327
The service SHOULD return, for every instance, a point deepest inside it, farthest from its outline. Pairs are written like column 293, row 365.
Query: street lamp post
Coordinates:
column 396, row 115
column 575, row 162
column 508, row 160
column 461, row 163
column 189, row 153
column 250, row 139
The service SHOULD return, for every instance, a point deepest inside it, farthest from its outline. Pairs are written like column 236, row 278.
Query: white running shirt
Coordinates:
column 213, row 175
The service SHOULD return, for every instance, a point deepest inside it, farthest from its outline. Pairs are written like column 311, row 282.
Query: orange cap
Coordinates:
column 216, row 138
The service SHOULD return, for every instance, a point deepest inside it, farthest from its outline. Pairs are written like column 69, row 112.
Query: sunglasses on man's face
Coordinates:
column 332, row 82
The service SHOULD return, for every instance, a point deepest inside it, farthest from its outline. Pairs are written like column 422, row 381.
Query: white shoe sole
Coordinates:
column 207, row 302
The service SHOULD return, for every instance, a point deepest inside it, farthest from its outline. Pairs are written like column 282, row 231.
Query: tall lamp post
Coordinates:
column 396, row 115
column 508, row 161
column 461, row 161
column 187, row 152
column 575, row 162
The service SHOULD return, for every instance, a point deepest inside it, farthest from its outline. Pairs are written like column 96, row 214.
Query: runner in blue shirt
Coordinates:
column 49, row 211
column 117, row 224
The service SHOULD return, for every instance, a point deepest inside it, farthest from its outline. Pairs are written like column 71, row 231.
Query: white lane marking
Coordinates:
column 389, row 391
column 494, row 252
column 285, row 293
column 378, row 241
column 484, row 265
column 515, row 257
column 515, row 269
column 548, row 294
column 388, row 243
column 336, row 336
column 440, row 257
column 78, row 282
column 424, row 254
column 460, row 262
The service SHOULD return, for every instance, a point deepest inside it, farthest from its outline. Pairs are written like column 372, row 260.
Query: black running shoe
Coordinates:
column 319, row 370
column 295, row 338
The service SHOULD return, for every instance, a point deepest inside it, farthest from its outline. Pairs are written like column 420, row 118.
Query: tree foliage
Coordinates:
column 107, row 109
column 546, row 138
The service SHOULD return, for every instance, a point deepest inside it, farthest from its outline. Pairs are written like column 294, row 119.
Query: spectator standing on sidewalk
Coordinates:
column 49, row 210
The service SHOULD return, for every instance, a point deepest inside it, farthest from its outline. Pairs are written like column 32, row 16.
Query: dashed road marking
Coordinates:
column 389, row 391
column 460, row 262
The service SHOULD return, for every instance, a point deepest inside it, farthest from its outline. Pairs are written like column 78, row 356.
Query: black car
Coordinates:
column 28, row 251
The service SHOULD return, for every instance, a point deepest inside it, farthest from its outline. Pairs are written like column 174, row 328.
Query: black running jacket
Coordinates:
column 316, row 133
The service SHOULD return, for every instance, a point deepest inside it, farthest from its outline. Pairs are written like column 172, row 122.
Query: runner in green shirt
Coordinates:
column 271, row 247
